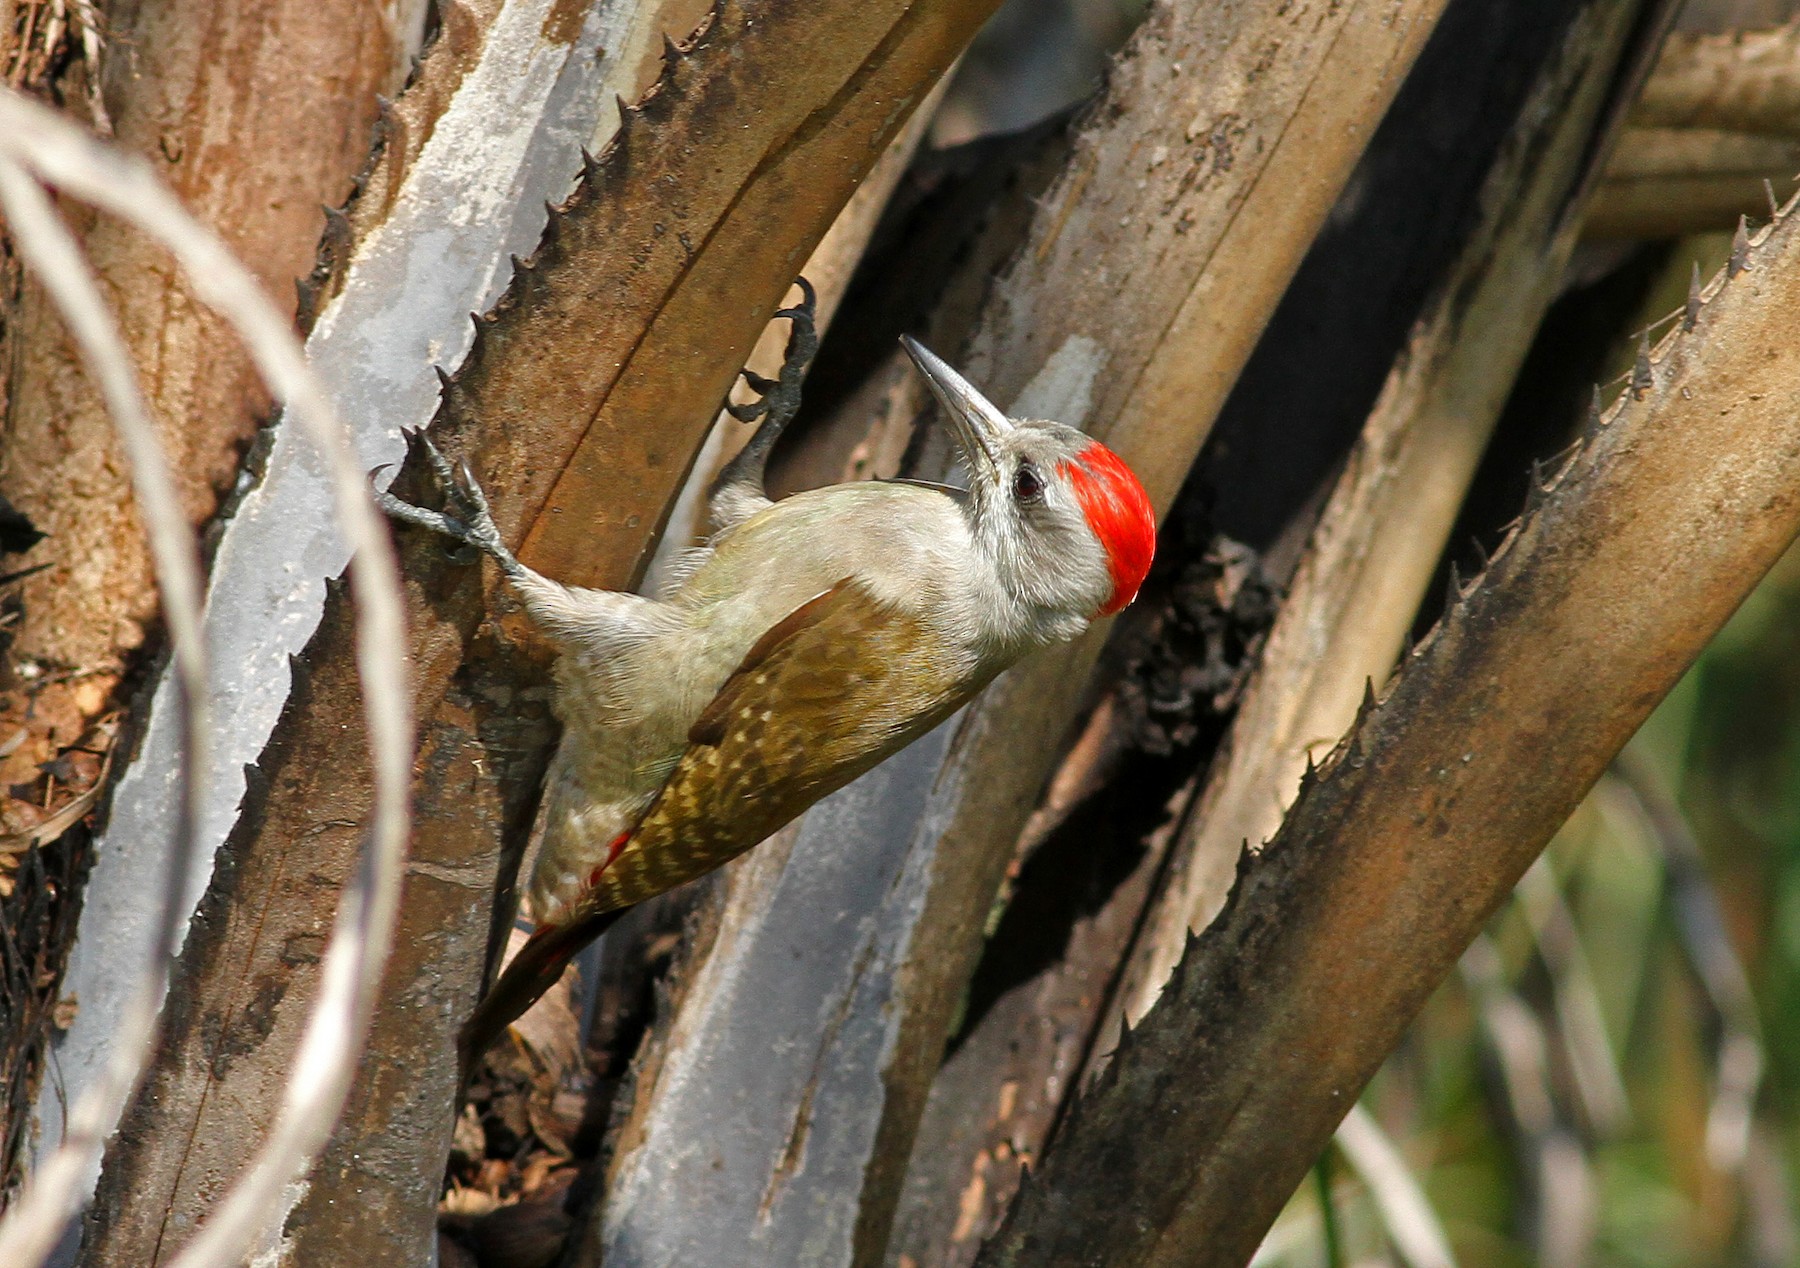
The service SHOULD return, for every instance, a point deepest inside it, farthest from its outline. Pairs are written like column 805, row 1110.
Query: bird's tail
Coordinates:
column 533, row 971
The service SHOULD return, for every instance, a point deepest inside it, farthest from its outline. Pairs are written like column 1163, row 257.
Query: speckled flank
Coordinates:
column 805, row 714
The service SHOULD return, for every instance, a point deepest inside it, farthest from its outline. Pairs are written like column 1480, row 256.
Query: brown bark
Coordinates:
column 1378, row 542
column 375, row 1189
column 255, row 114
column 1199, row 235
column 994, row 1104
column 1195, row 189
column 587, row 393
column 1420, row 823
column 995, row 1100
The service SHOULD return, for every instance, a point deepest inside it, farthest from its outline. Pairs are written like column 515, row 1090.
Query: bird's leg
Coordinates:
column 466, row 518
column 778, row 401
column 585, row 621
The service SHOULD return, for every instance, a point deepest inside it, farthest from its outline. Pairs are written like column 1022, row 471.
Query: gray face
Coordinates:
column 1022, row 503
column 1037, row 525
column 1029, row 455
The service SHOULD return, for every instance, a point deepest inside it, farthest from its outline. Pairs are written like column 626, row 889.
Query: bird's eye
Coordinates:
column 1027, row 485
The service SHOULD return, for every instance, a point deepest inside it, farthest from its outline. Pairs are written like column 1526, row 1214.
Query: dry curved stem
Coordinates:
column 1406, row 1212
column 467, row 144
column 59, row 154
column 34, row 1226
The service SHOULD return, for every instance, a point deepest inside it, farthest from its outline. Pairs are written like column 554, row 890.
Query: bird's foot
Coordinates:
column 465, row 519
column 778, row 399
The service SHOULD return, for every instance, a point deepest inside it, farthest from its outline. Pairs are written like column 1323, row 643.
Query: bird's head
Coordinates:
column 1069, row 527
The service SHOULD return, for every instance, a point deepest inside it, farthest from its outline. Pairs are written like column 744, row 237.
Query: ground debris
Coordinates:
column 519, row 1145
column 54, row 755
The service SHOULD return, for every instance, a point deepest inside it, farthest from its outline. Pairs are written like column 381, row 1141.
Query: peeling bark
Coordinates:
column 210, row 92
column 255, row 114
column 406, row 291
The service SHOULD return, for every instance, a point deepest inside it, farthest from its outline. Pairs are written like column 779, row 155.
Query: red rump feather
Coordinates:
column 1119, row 512
column 612, row 852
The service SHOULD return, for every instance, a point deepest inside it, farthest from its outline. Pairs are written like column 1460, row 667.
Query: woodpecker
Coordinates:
column 808, row 639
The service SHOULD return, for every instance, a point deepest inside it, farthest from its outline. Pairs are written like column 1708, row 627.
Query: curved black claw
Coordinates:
column 807, row 309
column 779, row 398
column 748, row 412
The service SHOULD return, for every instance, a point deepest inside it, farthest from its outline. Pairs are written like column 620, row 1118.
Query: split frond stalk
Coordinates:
column 1720, row 113
column 1422, row 821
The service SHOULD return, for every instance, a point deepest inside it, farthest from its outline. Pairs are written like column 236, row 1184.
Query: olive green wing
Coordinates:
column 830, row 690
